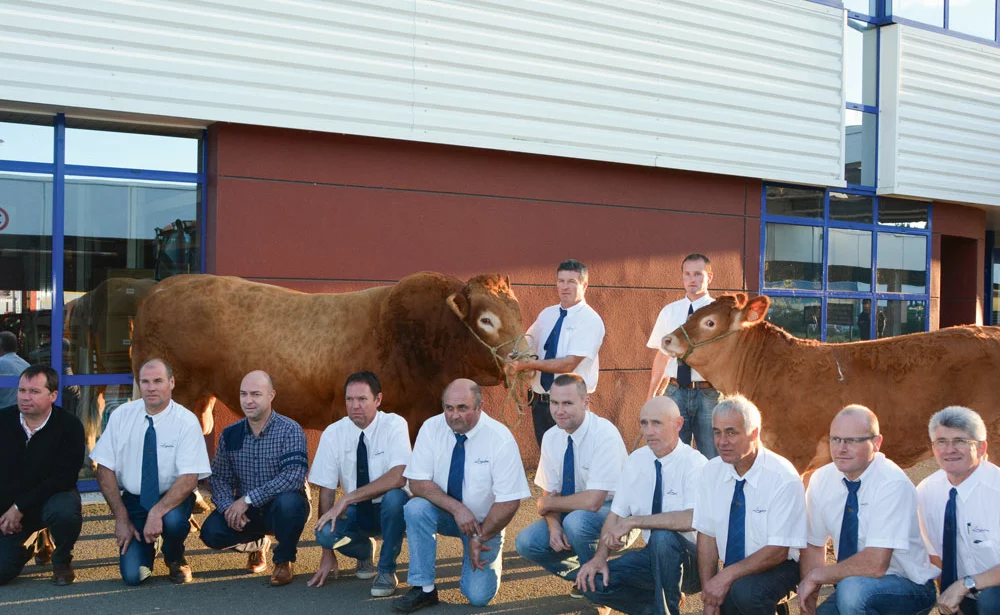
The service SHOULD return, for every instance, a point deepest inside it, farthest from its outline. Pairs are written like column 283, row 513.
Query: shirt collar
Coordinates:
column 967, row 486
column 664, row 459
column 372, row 427
column 267, row 426
column 29, row 431
column 700, row 302
column 753, row 474
column 161, row 414
column 574, row 309
column 581, row 431
column 869, row 472
column 475, row 430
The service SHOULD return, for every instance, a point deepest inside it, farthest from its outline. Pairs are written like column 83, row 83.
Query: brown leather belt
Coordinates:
column 702, row 384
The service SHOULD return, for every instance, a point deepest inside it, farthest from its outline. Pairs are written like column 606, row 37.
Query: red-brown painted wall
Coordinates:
column 958, row 249
column 332, row 213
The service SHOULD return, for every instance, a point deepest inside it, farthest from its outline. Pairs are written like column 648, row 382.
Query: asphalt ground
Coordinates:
column 222, row 586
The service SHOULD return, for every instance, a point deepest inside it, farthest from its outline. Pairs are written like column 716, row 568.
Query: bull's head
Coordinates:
column 490, row 310
column 726, row 316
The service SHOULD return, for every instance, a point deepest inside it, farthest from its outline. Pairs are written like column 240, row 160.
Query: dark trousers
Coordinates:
column 62, row 515
column 284, row 517
column 541, row 416
column 759, row 594
column 136, row 565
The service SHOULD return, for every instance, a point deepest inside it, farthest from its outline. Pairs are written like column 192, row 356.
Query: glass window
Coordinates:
column 894, row 317
column 93, row 405
column 850, row 260
column 131, row 150
column 26, row 261
column 793, row 257
column 800, row 316
column 799, row 202
column 996, row 294
column 861, row 132
column 851, row 208
column 925, row 11
column 975, row 17
column 903, row 213
column 867, row 7
column 848, row 320
column 26, row 142
column 902, row 263
column 861, row 62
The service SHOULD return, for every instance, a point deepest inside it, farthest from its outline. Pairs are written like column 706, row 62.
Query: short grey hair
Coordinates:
column 477, row 393
column 960, row 418
column 743, row 406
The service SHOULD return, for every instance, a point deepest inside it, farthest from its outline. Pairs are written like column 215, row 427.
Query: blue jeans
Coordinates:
column 650, row 580
column 582, row 529
column 759, row 594
column 349, row 538
column 988, row 603
column 696, row 407
column 62, row 515
column 283, row 517
column 424, row 521
column 890, row 595
column 136, row 565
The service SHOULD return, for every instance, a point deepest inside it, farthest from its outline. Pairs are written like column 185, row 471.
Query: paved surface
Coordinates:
column 221, row 586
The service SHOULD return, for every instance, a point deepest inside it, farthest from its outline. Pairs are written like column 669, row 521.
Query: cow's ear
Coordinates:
column 755, row 310
column 459, row 304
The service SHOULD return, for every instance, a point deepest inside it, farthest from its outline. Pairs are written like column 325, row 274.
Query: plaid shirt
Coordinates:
column 259, row 466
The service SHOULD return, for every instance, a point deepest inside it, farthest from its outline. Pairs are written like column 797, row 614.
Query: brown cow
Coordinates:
column 799, row 385
column 417, row 335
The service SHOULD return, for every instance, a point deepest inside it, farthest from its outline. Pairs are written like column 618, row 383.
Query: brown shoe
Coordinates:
column 282, row 574
column 179, row 571
column 63, row 575
column 257, row 561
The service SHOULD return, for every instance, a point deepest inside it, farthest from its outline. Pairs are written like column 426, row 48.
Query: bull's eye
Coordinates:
column 709, row 323
column 485, row 321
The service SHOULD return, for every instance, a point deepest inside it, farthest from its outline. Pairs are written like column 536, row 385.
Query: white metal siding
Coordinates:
column 730, row 86
column 939, row 120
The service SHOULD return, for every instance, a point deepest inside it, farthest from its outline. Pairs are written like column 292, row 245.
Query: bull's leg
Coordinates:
column 44, row 547
column 820, row 459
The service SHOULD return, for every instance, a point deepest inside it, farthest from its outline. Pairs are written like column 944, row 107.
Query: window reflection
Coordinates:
column 793, row 257
column 93, row 405
column 903, row 213
column 26, row 142
column 925, row 11
column 902, row 263
column 131, row 150
column 975, row 17
column 996, row 293
column 851, row 208
column 798, row 202
column 850, row 260
column 901, row 317
column 861, row 62
column 861, row 134
column 848, row 320
column 799, row 316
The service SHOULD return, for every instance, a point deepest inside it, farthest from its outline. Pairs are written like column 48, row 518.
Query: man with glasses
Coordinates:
column 960, row 514
column 869, row 507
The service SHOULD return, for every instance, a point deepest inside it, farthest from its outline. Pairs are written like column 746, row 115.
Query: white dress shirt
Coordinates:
column 977, row 515
column 581, row 335
column 180, row 445
column 493, row 470
column 387, row 439
column 681, row 474
column 672, row 316
column 775, row 504
column 887, row 515
column 29, row 431
column 598, row 456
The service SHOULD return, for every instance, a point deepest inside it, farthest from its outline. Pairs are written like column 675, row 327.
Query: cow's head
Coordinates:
column 487, row 305
column 726, row 316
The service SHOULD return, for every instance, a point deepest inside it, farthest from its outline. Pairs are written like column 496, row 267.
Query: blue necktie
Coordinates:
column 366, row 509
column 658, row 489
column 949, row 550
column 736, row 541
column 456, row 473
column 683, row 369
column 551, row 345
column 149, row 490
column 569, row 470
column 849, row 526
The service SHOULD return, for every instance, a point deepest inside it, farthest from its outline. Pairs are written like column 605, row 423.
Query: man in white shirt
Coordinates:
column 154, row 451
column 579, row 468
column 960, row 514
column 868, row 506
column 10, row 365
column 567, row 338
column 751, row 512
column 365, row 453
column 695, row 396
column 657, row 494
column 467, row 481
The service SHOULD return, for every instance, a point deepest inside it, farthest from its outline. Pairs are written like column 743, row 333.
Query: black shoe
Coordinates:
column 415, row 599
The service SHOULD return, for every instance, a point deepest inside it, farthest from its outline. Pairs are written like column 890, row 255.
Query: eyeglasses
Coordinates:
column 943, row 444
column 837, row 441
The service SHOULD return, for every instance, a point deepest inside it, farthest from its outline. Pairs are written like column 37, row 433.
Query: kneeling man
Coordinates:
column 869, row 507
column 467, row 481
column 656, row 494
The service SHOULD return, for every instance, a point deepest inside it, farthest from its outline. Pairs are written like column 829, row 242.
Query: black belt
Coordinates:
column 701, row 384
column 542, row 397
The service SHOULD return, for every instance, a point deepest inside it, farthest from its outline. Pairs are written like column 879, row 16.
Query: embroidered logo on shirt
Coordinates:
column 377, row 453
column 480, row 461
column 671, row 492
column 760, row 510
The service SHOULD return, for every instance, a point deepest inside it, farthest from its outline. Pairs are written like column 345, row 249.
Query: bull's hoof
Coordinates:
column 200, row 505
column 44, row 548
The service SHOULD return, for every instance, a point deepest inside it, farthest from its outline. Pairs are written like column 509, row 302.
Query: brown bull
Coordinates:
column 417, row 335
column 799, row 385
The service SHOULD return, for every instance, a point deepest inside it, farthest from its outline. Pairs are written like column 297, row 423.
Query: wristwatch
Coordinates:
column 970, row 584
column 246, row 499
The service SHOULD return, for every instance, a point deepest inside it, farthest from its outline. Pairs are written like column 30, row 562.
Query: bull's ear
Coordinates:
column 459, row 304
column 741, row 300
column 506, row 281
column 755, row 310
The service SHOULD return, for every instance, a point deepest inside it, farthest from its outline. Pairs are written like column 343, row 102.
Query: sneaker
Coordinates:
column 366, row 569
column 257, row 560
column 384, row 584
column 179, row 571
column 63, row 575
column 574, row 592
column 415, row 599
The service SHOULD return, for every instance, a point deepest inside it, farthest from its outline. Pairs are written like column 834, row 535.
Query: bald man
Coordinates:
column 467, row 481
column 656, row 494
column 258, row 483
column 869, row 507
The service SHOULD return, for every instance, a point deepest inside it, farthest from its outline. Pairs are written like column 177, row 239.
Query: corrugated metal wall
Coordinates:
column 741, row 88
column 939, row 120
